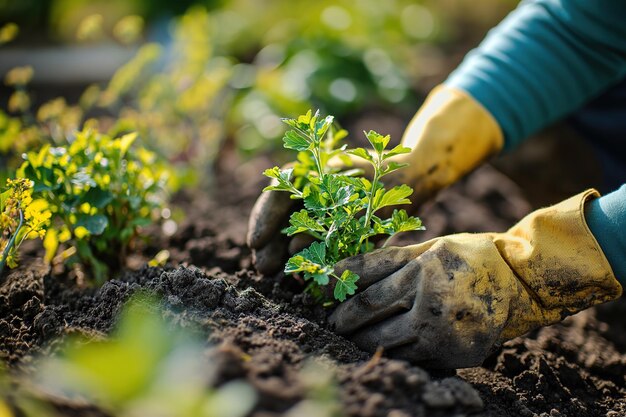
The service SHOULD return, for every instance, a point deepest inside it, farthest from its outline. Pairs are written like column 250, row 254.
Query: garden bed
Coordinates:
column 265, row 331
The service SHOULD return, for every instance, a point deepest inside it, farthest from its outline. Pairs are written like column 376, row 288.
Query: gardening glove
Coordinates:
column 451, row 301
column 449, row 136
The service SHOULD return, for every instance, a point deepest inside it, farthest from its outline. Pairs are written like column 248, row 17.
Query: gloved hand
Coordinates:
column 450, row 135
column 451, row 301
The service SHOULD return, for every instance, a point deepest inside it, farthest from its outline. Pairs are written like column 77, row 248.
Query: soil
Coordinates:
column 265, row 331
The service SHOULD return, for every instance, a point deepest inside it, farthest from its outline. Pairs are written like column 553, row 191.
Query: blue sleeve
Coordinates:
column 545, row 60
column 606, row 217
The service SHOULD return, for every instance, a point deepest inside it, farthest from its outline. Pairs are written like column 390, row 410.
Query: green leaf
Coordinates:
column 361, row 153
column 398, row 150
column 301, row 222
column 391, row 167
column 96, row 224
column 97, row 197
column 315, row 253
column 313, row 200
column 378, row 141
column 322, row 126
column 282, row 177
column 294, row 264
column 294, row 140
column 312, row 263
column 402, row 222
column 346, row 285
column 397, row 195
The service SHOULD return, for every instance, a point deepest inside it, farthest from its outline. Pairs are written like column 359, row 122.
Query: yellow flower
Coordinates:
column 81, row 232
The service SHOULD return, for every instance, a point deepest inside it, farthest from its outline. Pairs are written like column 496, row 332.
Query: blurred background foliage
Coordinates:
column 196, row 77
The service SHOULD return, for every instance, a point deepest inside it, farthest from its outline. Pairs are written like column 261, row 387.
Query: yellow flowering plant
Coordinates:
column 100, row 190
column 21, row 218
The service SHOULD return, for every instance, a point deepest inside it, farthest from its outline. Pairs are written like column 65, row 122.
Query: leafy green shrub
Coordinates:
column 21, row 218
column 100, row 191
column 339, row 206
column 174, row 97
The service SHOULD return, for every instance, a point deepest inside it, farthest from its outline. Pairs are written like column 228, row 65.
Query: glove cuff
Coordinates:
column 450, row 135
column 559, row 262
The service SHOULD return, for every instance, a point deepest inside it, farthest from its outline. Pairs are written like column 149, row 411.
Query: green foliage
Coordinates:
column 339, row 206
column 100, row 191
column 175, row 101
column 21, row 218
column 147, row 367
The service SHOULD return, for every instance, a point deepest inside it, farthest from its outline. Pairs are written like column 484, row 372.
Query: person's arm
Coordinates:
column 545, row 60
column 606, row 217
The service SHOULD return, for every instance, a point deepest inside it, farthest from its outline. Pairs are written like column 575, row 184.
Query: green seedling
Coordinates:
column 21, row 218
column 340, row 205
column 100, row 191
column 148, row 367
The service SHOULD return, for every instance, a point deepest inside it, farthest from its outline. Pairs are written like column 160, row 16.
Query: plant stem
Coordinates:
column 370, row 211
column 318, row 163
column 7, row 249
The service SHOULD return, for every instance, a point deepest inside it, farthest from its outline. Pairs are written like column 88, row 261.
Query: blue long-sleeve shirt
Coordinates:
column 544, row 61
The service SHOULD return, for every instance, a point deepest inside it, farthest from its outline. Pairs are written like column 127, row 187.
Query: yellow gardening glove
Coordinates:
column 450, row 135
column 451, row 301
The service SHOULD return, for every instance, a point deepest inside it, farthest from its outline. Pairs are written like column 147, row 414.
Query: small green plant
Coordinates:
column 100, row 191
column 339, row 206
column 148, row 367
column 21, row 218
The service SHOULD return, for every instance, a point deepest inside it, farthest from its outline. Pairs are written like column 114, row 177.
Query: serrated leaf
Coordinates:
column 301, row 223
column 378, row 141
column 315, row 253
column 311, row 262
column 391, row 167
column 357, row 183
column 322, row 126
column 346, row 285
column 395, row 196
column 294, row 140
column 361, row 153
column 402, row 222
column 294, row 264
column 272, row 172
column 282, row 179
column 313, row 200
column 335, row 191
column 398, row 150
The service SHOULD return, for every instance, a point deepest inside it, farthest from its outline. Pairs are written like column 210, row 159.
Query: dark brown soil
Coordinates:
column 265, row 331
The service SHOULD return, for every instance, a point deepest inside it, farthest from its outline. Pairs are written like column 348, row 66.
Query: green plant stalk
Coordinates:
column 11, row 242
column 369, row 212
